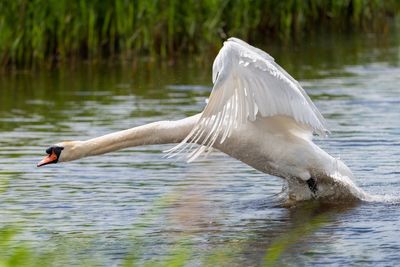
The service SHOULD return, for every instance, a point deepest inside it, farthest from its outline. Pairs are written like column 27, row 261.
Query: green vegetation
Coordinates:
column 79, row 249
column 49, row 32
column 280, row 245
column 67, row 251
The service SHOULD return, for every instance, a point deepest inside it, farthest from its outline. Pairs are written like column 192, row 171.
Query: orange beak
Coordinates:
column 52, row 158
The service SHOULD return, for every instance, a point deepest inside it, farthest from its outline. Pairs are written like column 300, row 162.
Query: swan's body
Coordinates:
column 257, row 113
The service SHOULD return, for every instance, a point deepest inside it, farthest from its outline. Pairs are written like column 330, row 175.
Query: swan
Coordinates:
column 256, row 113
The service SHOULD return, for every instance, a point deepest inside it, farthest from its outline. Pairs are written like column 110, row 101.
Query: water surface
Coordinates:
column 214, row 211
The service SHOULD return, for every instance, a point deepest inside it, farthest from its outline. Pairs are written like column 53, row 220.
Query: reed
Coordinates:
column 48, row 32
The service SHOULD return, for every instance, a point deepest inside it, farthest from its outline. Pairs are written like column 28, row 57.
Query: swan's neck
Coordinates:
column 162, row 132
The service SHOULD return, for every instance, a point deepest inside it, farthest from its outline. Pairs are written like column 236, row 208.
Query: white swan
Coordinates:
column 256, row 113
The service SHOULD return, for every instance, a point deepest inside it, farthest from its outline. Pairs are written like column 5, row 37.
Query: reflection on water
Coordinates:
column 218, row 209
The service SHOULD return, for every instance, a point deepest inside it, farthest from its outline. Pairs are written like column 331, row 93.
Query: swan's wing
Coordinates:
column 248, row 83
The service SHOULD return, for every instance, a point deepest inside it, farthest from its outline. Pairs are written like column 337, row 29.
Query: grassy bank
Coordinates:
column 49, row 32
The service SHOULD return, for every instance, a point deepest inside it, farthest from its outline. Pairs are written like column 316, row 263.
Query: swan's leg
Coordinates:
column 312, row 184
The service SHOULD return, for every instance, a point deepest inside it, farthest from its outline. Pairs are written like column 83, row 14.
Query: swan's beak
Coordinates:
column 52, row 158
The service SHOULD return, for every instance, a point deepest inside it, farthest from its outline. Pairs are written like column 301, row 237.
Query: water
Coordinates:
column 216, row 211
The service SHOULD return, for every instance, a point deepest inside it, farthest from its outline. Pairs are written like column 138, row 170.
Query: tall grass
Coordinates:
column 40, row 32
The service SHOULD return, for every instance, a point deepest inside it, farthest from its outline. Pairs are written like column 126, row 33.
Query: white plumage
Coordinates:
column 247, row 83
column 256, row 113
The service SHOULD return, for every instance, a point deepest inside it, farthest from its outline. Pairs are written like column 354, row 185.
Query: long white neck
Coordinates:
column 161, row 132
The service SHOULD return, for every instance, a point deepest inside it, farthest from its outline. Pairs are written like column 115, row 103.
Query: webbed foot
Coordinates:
column 312, row 184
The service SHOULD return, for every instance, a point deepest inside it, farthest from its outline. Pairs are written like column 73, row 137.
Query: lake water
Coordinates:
column 213, row 212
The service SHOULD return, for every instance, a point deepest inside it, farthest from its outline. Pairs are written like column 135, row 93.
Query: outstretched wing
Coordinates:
column 248, row 83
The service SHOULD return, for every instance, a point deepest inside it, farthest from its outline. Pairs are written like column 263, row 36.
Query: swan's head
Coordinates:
column 53, row 155
column 65, row 151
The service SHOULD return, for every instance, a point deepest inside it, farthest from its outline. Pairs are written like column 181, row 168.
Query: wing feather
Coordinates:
column 248, row 83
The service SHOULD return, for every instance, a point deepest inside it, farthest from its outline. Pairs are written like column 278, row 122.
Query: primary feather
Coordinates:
column 248, row 84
